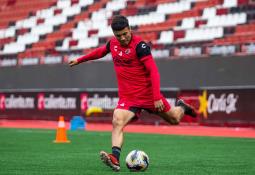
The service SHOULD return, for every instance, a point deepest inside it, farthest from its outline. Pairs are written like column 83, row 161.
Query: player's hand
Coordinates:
column 159, row 105
column 73, row 63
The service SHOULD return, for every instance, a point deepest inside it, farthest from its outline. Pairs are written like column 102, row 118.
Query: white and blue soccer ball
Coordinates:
column 137, row 160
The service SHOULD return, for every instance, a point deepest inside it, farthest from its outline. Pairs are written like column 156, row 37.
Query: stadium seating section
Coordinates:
column 174, row 28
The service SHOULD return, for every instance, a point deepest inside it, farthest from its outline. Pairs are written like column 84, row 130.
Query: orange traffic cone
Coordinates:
column 61, row 132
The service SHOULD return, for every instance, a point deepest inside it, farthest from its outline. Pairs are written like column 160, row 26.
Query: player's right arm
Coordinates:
column 95, row 54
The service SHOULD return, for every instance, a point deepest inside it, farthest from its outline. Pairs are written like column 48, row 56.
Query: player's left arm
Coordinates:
column 144, row 54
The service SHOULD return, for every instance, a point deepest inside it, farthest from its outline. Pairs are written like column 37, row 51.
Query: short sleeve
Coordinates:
column 142, row 50
column 108, row 46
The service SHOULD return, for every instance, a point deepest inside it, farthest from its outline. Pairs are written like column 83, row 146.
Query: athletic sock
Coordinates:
column 116, row 152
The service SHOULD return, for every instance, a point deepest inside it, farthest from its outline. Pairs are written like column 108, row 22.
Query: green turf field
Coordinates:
column 31, row 151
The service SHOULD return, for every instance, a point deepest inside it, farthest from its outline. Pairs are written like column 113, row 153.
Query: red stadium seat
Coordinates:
column 70, row 23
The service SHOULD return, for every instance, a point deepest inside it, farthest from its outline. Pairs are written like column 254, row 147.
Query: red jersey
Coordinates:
column 137, row 73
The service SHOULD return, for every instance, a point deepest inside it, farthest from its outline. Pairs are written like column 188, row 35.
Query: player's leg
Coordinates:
column 188, row 109
column 121, row 117
column 173, row 115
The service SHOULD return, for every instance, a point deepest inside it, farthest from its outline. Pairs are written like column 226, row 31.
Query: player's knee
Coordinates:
column 172, row 117
column 174, row 121
column 117, row 121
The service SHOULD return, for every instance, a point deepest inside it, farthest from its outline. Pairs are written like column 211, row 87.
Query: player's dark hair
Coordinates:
column 119, row 22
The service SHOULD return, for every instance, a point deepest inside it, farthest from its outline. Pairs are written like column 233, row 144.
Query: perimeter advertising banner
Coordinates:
column 227, row 107
column 50, row 105
column 38, row 105
column 215, row 107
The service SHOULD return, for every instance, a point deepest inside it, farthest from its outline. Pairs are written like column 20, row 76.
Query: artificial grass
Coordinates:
column 32, row 151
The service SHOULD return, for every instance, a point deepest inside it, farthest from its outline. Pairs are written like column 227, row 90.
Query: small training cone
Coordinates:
column 61, row 132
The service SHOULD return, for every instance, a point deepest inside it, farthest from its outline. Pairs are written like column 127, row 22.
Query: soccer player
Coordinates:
column 138, row 85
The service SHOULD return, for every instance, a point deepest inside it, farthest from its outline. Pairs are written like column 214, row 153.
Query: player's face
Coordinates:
column 123, row 36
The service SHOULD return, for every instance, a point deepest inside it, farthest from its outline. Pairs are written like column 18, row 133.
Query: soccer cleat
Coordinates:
column 110, row 160
column 188, row 109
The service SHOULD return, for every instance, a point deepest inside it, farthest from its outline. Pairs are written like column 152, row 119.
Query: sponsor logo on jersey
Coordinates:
column 120, row 61
column 122, row 104
column 144, row 45
column 127, row 51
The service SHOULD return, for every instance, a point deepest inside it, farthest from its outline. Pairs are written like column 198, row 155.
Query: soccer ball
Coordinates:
column 137, row 160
